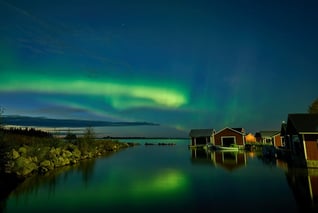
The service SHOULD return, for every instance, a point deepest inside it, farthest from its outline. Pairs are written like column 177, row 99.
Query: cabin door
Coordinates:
column 227, row 141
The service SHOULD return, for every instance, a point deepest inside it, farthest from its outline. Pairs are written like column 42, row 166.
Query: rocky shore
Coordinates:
column 27, row 160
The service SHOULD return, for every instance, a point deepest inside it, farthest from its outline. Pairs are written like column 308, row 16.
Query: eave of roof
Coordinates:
column 229, row 129
column 308, row 133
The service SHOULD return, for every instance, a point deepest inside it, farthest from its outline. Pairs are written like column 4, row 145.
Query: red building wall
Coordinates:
column 228, row 132
column 278, row 140
column 311, row 147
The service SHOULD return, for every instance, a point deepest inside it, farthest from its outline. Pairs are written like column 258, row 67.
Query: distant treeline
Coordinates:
column 26, row 132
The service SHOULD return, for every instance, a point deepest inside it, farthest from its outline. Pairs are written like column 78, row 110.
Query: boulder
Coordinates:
column 73, row 161
column 76, row 153
column 52, row 153
column 34, row 159
column 66, row 154
column 90, row 155
column 14, row 154
column 28, row 169
column 24, row 166
column 60, row 161
column 58, row 151
column 47, row 164
column 23, row 150
column 67, row 161
column 43, row 170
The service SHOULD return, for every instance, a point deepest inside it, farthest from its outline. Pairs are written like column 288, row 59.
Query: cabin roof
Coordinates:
column 237, row 130
column 304, row 122
column 269, row 133
column 240, row 129
column 201, row 132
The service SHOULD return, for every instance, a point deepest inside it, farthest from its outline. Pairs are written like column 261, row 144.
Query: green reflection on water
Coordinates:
column 167, row 182
column 116, row 188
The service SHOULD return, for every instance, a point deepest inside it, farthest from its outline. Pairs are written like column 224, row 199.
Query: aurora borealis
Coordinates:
column 181, row 64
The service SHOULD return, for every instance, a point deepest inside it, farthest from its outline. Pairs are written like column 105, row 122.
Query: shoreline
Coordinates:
column 25, row 152
column 26, row 160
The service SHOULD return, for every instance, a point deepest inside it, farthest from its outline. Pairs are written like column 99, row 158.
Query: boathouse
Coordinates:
column 201, row 137
column 301, row 138
column 271, row 137
column 227, row 136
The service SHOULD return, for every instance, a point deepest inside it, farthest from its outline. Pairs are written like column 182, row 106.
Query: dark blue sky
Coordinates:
column 183, row 64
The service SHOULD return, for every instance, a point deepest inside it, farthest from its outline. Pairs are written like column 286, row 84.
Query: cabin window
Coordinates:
column 296, row 144
column 295, row 139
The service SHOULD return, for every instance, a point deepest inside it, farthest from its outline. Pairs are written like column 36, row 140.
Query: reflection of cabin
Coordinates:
column 229, row 160
column 304, row 185
column 270, row 137
column 200, row 157
column 301, row 138
column 228, row 136
column 201, row 137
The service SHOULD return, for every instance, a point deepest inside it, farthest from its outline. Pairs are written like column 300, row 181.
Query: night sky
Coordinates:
column 182, row 64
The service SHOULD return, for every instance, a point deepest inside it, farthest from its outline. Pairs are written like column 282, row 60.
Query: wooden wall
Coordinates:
column 228, row 132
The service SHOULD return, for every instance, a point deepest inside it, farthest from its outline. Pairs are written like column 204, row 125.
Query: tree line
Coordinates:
column 26, row 132
column 313, row 108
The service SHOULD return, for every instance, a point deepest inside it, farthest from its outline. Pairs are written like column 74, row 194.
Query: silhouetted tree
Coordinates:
column 28, row 132
column 89, row 134
column 70, row 137
column 313, row 108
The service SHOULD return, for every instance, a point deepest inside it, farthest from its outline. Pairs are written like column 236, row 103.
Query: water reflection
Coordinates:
column 201, row 156
column 157, row 179
column 7, row 185
column 163, row 183
column 303, row 182
column 228, row 160
column 139, row 178
column 53, row 178
column 304, row 185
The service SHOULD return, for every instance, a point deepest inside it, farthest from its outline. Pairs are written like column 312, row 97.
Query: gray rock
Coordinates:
column 43, row 170
column 52, row 153
column 34, row 159
column 60, row 161
column 58, row 151
column 23, row 150
column 46, row 163
column 24, row 166
column 14, row 154
column 66, row 154
column 76, row 154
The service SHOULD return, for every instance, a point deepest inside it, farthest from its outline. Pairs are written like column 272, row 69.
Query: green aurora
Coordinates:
column 183, row 65
column 119, row 94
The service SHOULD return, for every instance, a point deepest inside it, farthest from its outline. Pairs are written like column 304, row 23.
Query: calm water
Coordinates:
column 169, row 179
